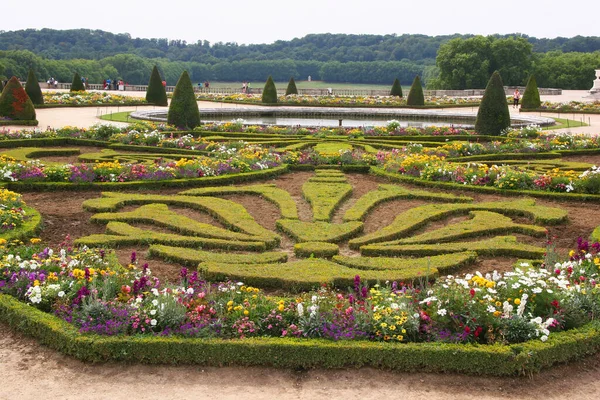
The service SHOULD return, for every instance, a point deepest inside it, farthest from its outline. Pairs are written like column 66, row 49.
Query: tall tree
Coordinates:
column 493, row 115
column 32, row 87
column 183, row 111
column 156, row 92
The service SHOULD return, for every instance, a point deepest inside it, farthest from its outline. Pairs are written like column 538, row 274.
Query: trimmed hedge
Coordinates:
column 325, row 197
column 156, row 93
column 498, row 246
column 319, row 231
column 531, row 97
column 16, row 122
column 316, row 249
column 232, row 215
column 122, row 234
column 415, row 95
column 77, row 84
column 16, row 104
column 287, row 205
column 183, row 110
column 28, row 153
column 493, row 115
column 32, row 87
column 269, row 94
column 291, row 87
column 519, row 359
column 396, row 88
column 412, row 268
column 30, row 228
column 192, row 257
column 417, row 217
column 596, row 234
column 160, row 215
column 391, row 192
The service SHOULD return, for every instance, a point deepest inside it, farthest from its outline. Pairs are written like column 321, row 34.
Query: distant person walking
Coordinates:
column 516, row 98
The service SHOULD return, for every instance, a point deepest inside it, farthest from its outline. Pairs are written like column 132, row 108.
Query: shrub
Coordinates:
column 269, row 95
column 396, row 88
column 14, row 102
column 531, row 97
column 493, row 116
column 156, row 93
column 415, row 96
column 77, row 85
column 32, row 87
column 183, row 111
column 291, row 88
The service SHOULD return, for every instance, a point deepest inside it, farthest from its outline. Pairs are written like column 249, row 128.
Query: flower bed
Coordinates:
column 591, row 107
column 88, row 99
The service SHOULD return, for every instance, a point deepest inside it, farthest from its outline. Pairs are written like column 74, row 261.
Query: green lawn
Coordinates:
column 118, row 117
column 565, row 123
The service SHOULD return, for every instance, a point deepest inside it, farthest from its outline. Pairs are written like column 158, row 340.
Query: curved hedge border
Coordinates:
column 192, row 258
column 517, row 359
column 31, row 227
column 316, row 249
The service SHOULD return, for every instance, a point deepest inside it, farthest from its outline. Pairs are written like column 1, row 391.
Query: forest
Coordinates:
column 448, row 62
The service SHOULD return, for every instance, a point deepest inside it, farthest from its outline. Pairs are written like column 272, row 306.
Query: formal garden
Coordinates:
column 437, row 249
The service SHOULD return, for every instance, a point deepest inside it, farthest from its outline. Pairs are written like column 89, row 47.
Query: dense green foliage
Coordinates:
column 415, row 96
column 183, row 111
column 32, row 87
column 269, row 95
column 493, row 115
column 156, row 93
column 77, row 84
column 464, row 61
column 291, row 87
column 396, row 88
column 531, row 97
column 14, row 102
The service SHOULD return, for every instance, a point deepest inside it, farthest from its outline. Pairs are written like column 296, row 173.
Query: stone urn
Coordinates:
column 596, row 88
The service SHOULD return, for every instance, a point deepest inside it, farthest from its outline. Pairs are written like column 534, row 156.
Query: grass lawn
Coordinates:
column 565, row 123
column 118, row 117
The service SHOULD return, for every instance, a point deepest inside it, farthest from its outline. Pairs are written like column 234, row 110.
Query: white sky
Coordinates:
column 264, row 21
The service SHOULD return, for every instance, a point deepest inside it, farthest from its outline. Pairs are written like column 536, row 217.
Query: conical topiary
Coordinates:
column 269, row 94
column 493, row 115
column 531, row 97
column 1, row 86
column 156, row 93
column 32, row 87
column 396, row 88
column 14, row 102
column 183, row 111
column 77, row 85
column 291, row 87
column 415, row 96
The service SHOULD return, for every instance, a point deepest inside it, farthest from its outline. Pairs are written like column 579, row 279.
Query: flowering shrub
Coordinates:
column 91, row 290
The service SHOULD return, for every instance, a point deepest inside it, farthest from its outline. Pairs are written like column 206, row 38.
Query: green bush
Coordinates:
column 325, row 197
column 156, row 93
column 183, row 111
column 493, row 115
column 269, row 95
column 319, row 231
column 415, row 96
column 531, row 97
column 77, row 85
column 15, row 103
column 396, row 88
column 192, row 258
column 32, row 87
column 291, row 87
column 316, row 249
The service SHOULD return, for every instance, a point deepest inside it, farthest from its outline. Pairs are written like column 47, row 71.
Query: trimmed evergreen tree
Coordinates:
column 396, row 88
column 415, row 96
column 1, row 85
column 77, row 85
column 269, row 95
column 493, row 115
column 14, row 102
column 156, row 93
column 183, row 111
column 32, row 87
column 291, row 87
column 531, row 97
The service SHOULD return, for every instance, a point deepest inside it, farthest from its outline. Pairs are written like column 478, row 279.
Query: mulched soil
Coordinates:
column 63, row 215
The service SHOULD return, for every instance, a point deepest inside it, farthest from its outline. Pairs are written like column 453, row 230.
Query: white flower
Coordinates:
column 153, row 322
column 442, row 312
column 491, row 309
column 154, row 291
column 152, row 312
column 154, row 302
column 544, row 338
column 61, row 293
column 300, row 309
column 190, row 290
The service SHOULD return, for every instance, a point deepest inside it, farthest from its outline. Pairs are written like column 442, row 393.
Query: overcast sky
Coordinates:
column 264, row 21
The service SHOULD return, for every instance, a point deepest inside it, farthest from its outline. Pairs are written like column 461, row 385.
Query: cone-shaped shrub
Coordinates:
column 32, row 87
column 183, row 111
column 493, row 116
column 269, row 94
column 1, row 86
column 77, row 85
column 156, row 93
column 291, row 88
column 531, row 97
column 396, row 88
column 14, row 102
column 415, row 96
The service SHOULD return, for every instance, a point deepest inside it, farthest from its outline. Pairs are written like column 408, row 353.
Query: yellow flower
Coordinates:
column 36, row 283
column 230, row 303
column 517, row 301
column 281, row 307
column 35, row 240
column 246, row 312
